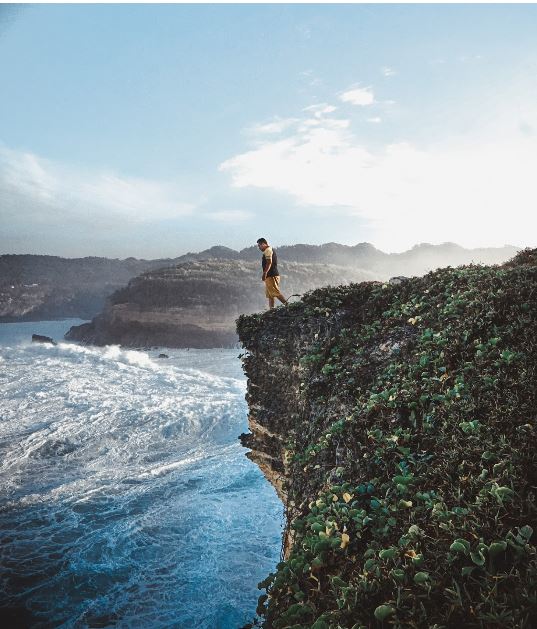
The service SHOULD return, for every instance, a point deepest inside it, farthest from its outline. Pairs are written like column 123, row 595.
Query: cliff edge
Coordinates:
column 397, row 421
column 195, row 304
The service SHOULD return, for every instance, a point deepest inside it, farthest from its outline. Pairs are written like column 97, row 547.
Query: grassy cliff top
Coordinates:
column 410, row 449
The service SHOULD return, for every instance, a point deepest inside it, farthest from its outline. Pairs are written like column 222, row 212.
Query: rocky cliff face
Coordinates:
column 397, row 422
column 195, row 304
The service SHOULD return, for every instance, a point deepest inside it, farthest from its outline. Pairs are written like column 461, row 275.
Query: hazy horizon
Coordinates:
column 238, row 250
column 151, row 131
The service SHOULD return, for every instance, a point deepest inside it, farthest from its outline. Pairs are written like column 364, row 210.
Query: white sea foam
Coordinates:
column 124, row 487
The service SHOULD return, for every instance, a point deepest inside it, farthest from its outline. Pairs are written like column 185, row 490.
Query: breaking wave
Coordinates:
column 127, row 500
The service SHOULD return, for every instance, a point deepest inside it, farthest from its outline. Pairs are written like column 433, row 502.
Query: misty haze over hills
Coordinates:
column 34, row 287
column 416, row 261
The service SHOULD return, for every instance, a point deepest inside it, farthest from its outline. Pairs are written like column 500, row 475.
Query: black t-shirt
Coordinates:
column 273, row 271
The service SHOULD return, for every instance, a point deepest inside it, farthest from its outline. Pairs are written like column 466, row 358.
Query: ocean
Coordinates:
column 126, row 499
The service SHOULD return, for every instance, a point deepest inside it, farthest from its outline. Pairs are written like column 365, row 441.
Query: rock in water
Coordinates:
column 163, row 356
column 39, row 338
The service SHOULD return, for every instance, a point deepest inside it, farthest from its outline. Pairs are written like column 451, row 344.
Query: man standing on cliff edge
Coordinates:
column 271, row 275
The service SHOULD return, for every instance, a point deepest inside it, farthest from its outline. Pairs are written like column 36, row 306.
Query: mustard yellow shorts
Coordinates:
column 272, row 287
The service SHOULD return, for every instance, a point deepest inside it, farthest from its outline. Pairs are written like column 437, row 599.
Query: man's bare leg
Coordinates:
column 271, row 302
column 282, row 299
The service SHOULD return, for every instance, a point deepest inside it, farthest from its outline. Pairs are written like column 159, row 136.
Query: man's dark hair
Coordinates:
column 262, row 241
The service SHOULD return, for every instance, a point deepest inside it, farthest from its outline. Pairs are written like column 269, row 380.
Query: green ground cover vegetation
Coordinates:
column 412, row 472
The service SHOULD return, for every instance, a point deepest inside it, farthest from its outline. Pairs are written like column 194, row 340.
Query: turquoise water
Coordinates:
column 126, row 499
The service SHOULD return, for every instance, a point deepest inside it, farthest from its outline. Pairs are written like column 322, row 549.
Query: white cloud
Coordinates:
column 316, row 118
column 34, row 186
column 362, row 96
column 375, row 119
column 275, row 126
column 474, row 191
column 386, row 71
column 326, row 123
column 230, row 216
column 320, row 109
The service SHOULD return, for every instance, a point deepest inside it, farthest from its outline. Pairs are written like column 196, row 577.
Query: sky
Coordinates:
column 154, row 130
